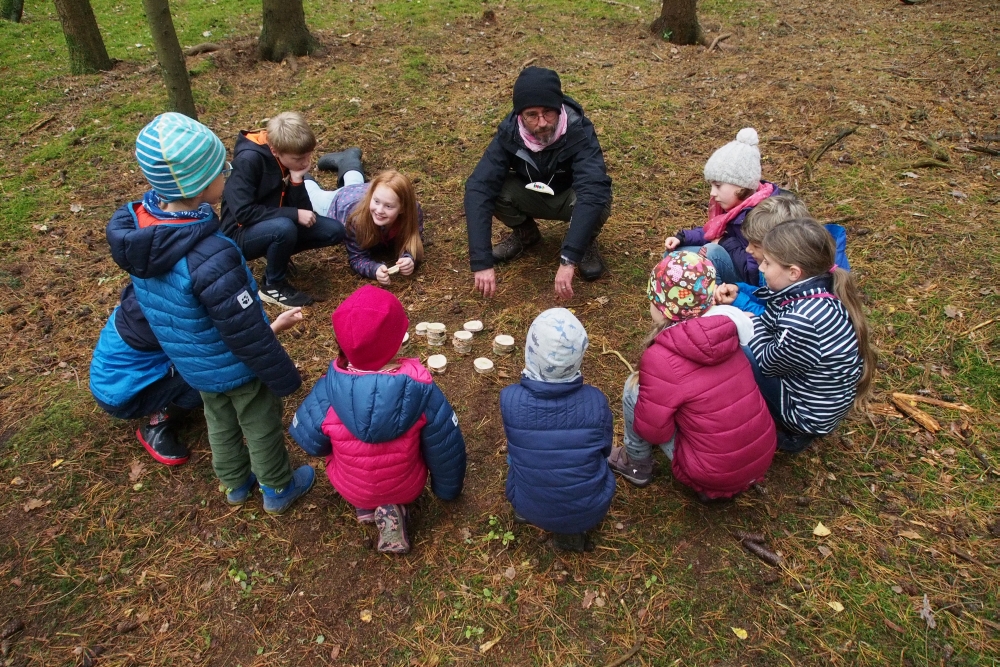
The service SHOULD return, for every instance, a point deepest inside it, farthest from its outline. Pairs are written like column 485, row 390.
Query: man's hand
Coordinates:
column 671, row 243
column 405, row 265
column 286, row 320
column 382, row 275
column 306, row 218
column 726, row 294
column 486, row 282
column 564, row 281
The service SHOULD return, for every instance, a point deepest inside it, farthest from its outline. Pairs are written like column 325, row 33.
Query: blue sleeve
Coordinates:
column 307, row 424
column 442, row 446
column 747, row 302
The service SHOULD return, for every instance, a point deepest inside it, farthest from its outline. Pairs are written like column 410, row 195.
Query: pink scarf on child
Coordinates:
column 534, row 145
column 718, row 219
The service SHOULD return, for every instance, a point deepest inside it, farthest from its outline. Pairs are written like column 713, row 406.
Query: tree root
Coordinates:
column 818, row 153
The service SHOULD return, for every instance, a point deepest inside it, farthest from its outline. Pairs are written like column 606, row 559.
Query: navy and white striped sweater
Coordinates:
column 805, row 338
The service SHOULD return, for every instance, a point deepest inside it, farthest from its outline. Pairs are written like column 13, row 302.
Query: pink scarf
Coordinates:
column 534, row 145
column 718, row 219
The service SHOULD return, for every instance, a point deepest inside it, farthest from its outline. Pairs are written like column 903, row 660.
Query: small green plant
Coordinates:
column 667, row 34
column 471, row 632
column 497, row 532
column 650, row 580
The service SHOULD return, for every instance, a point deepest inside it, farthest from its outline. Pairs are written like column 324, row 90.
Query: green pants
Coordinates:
column 252, row 412
column 516, row 204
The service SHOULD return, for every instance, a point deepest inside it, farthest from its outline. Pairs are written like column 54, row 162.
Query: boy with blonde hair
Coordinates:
column 266, row 209
column 764, row 217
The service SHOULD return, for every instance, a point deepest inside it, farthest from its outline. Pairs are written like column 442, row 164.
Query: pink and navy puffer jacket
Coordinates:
column 696, row 383
column 382, row 433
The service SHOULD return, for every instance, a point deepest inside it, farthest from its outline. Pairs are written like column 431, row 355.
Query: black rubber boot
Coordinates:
column 520, row 239
column 161, row 442
column 342, row 162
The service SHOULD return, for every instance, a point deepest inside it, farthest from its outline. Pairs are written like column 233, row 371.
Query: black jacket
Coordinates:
column 257, row 190
column 574, row 161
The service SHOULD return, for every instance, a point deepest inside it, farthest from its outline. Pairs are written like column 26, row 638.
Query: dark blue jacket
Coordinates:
column 363, row 423
column 258, row 189
column 575, row 161
column 559, row 436
column 200, row 301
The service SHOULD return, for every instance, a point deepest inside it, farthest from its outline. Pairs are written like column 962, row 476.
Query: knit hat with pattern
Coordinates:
column 738, row 162
column 682, row 285
column 370, row 325
column 179, row 156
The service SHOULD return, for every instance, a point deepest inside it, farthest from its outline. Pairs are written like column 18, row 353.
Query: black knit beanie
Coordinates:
column 537, row 87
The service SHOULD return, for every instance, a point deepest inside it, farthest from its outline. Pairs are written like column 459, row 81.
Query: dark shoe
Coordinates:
column 591, row 266
column 578, row 542
column 392, row 535
column 342, row 162
column 793, row 443
column 638, row 472
column 364, row 516
column 284, row 295
column 277, row 501
column 240, row 494
column 517, row 241
column 520, row 519
column 160, row 441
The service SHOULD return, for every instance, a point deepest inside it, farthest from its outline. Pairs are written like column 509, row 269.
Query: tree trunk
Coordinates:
column 83, row 38
column 284, row 32
column 11, row 10
column 170, row 57
column 678, row 23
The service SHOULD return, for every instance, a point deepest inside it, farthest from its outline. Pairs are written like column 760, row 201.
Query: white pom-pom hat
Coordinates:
column 738, row 162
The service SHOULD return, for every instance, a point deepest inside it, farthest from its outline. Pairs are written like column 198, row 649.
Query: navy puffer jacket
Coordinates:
column 559, row 437
column 200, row 301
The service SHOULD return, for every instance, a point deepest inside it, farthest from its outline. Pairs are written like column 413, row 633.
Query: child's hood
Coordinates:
column 378, row 407
column 150, row 251
column 253, row 141
column 707, row 341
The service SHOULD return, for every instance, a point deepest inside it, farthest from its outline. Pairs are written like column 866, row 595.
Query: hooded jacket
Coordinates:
column 575, row 160
column 559, row 437
column 200, row 301
column 259, row 188
column 695, row 383
column 381, row 433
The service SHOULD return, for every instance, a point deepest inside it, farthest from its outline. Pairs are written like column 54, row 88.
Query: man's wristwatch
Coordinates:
column 565, row 261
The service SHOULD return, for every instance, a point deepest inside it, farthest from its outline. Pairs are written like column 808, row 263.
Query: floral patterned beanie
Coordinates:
column 681, row 285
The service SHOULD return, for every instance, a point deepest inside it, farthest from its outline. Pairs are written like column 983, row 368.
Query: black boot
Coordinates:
column 520, row 238
column 591, row 266
column 342, row 162
column 578, row 542
column 161, row 442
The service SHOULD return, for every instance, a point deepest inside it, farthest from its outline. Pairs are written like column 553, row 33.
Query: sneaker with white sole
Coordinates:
column 637, row 471
column 284, row 295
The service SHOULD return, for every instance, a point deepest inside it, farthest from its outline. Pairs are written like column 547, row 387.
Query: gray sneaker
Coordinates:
column 639, row 471
column 520, row 239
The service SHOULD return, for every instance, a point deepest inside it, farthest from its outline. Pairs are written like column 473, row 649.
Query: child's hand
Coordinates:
column 671, row 243
column 405, row 265
column 726, row 294
column 306, row 218
column 286, row 320
column 298, row 175
column 382, row 275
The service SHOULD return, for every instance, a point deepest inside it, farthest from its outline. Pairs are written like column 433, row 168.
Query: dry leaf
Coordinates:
column 366, row 615
column 892, row 626
column 135, row 470
column 486, row 646
column 897, row 589
column 75, row 208
column 952, row 312
column 820, row 530
column 599, row 602
column 164, row 627
column 927, row 614
column 739, row 632
column 588, row 598
column 909, row 534
column 35, row 503
column 137, row 486
column 836, row 606
column 57, row 463
column 510, row 573
column 335, row 652
column 17, row 481
column 825, row 551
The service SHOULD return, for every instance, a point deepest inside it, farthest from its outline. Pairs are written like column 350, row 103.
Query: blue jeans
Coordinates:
column 636, row 447
column 168, row 390
column 725, row 272
column 280, row 238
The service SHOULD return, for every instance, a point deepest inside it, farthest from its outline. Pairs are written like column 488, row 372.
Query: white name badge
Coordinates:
column 538, row 186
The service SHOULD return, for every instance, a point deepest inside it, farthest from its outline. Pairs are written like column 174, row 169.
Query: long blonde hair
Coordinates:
column 806, row 244
column 407, row 224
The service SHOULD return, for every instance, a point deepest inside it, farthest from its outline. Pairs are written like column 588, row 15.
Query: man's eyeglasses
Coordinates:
column 228, row 169
column 549, row 115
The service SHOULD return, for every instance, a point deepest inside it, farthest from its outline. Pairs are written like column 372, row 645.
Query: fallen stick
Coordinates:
column 715, row 42
column 40, row 124
column 204, row 47
column 818, row 153
column 884, row 410
column 978, row 327
column 618, row 662
column 928, row 163
column 762, row 552
column 917, row 415
column 619, row 355
column 985, row 462
column 932, row 401
column 985, row 149
column 967, row 557
column 743, row 535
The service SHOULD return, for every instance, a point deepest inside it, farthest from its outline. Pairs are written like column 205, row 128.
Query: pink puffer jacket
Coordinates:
column 695, row 382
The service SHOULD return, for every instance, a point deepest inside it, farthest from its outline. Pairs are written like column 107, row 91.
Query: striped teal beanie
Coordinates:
column 179, row 156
